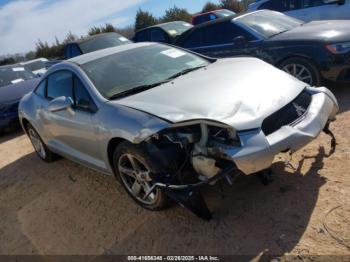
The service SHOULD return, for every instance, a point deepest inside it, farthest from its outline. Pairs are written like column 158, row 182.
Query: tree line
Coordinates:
column 143, row 19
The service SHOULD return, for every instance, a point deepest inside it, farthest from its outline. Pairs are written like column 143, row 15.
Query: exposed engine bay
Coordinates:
column 192, row 155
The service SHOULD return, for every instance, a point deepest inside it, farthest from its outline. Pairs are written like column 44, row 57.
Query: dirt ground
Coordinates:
column 64, row 208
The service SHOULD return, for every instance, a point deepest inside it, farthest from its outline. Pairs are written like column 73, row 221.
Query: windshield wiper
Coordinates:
column 136, row 90
column 184, row 72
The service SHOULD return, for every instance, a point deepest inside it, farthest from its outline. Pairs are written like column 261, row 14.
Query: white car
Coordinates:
column 37, row 66
column 307, row 10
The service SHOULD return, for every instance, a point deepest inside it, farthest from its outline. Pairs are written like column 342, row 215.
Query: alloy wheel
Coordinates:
column 135, row 176
column 37, row 143
column 300, row 72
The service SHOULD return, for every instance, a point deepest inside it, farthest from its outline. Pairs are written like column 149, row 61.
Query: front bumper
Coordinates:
column 8, row 120
column 336, row 68
column 258, row 151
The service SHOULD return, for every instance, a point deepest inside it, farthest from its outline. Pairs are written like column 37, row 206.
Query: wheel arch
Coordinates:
column 24, row 122
column 112, row 145
column 290, row 56
column 311, row 62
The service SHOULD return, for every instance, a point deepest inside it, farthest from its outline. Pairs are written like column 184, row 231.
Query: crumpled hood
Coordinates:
column 240, row 92
column 15, row 92
column 328, row 31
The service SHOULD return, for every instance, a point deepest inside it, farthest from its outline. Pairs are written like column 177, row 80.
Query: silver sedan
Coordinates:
column 162, row 119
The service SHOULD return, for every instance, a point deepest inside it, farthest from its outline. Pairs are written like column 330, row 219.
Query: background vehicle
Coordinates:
column 210, row 16
column 307, row 10
column 15, row 82
column 162, row 33
column 93, row 43
column 312, row 52
column 129, row 111
column 37, row 66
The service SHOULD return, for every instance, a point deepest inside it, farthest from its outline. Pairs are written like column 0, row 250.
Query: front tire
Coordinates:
column 39, row 146
column 132, row 166
column 303, row 70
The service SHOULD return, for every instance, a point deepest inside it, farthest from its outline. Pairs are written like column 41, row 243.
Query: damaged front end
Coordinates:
column 191, row 155
column 200, row 152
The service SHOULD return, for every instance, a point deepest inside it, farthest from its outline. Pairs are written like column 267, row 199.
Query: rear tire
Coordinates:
column 302, row 69
column 132, row 165
column 39, row 146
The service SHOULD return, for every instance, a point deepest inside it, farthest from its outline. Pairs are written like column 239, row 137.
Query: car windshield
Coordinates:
column 36, row 65
column 137, row 67
column 102, row 41
column 13, row 75
column 176, row 28
column 224, row 12
column 269, row 23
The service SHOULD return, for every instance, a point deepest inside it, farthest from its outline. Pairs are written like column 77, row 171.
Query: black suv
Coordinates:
column 312, row 52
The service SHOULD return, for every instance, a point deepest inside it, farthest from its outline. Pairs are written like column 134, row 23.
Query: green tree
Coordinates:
column 94, row 31
column 70, row 37
column 30, row 55
column 107, row 28
column 144, row 19
column 176, row 14
column 233, row 5
column 42, row 49
column 209, row 6
column 7, row 61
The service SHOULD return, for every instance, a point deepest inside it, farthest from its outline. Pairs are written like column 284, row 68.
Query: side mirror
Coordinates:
column 60, row 103
column 240, row 41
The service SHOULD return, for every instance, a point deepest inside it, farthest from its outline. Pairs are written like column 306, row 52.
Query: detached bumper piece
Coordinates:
column 189, row 195
column 260, row 148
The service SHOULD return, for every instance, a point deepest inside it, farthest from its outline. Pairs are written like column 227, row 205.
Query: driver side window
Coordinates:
column 82, row 99
column 60, row 84
column 65, row 83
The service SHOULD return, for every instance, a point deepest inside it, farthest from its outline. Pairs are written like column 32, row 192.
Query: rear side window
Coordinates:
column 67, row 51
column 41, row 89
column 158, row 35
column 60, row 84
column 204, row 18
column 194, row 39
column 75, row 50
column 223, row 33
column 142, row 36
column 212, row 17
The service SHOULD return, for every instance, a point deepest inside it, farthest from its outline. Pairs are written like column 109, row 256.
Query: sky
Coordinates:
column 23, row 22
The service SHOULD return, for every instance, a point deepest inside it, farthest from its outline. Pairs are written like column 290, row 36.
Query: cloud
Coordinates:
column 23, row 22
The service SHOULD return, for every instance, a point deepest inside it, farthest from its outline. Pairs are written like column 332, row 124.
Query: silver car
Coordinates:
column 165, row 121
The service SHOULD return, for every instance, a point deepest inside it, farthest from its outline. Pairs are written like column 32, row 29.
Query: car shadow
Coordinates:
column 249, row 219
column 8, row 135
column 64, row 208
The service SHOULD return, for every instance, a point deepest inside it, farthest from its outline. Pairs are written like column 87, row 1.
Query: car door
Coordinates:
column 226, row 39
column 71, row 130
